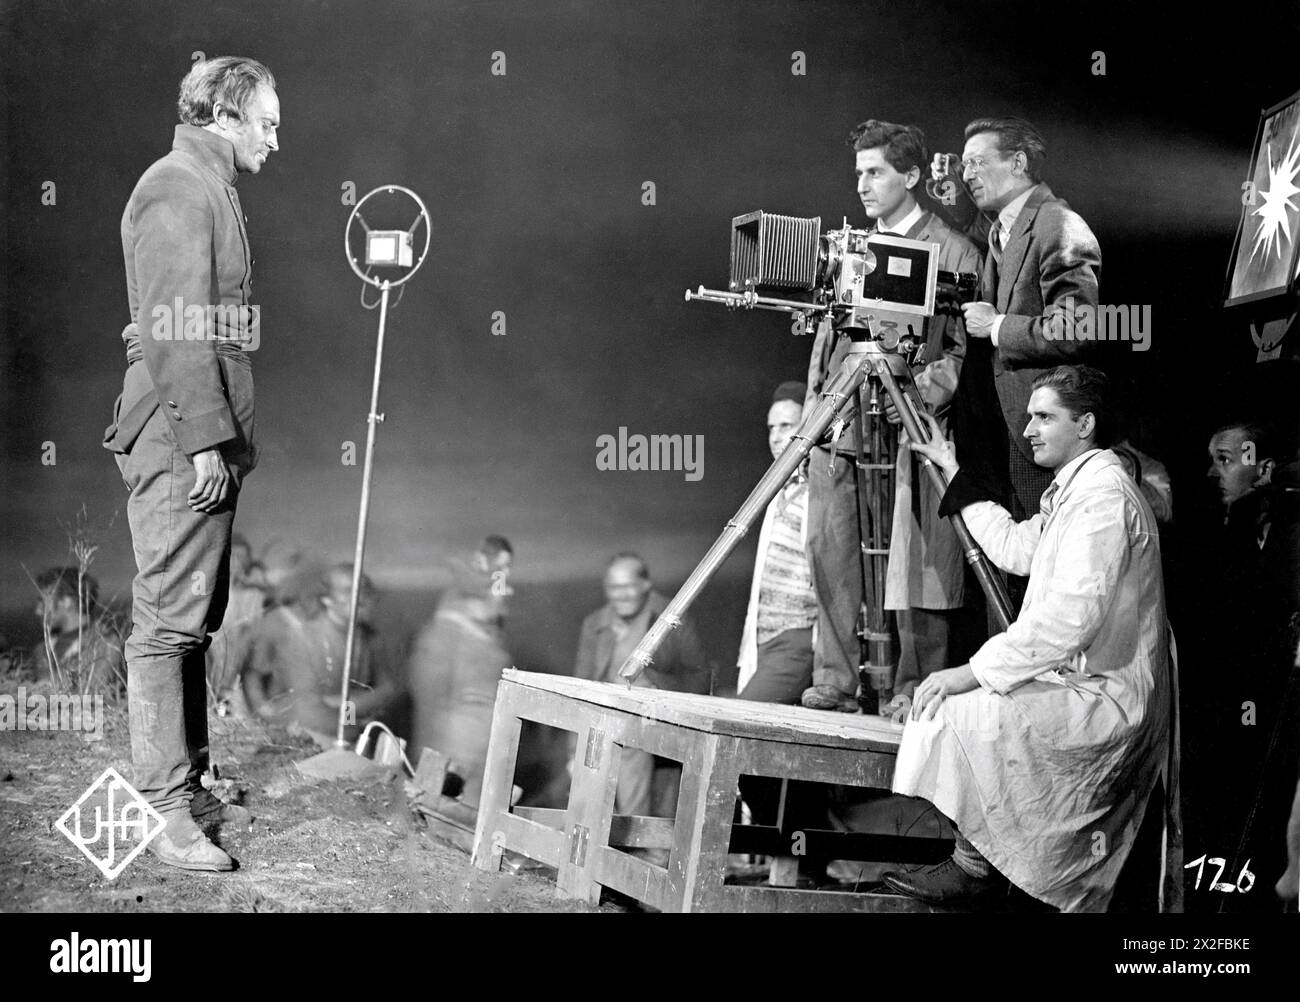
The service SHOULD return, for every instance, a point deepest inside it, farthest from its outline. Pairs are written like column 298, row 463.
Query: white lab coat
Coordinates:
column 1048, row 766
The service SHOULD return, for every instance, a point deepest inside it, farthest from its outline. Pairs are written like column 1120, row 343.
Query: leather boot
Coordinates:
column 827, row 697
column 207, row 809
column 182, row 844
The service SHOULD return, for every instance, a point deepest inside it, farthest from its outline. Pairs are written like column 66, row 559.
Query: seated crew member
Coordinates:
column 925, row 575
column 1049, row 743
column 457, row 663
column 293, row 672
column 647, row 784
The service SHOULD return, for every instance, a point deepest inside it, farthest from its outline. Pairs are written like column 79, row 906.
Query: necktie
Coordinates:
column 995, row 242
column 1048, row 500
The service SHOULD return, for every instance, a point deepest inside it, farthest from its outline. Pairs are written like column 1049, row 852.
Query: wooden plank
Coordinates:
column 765, row 840
column 705, row 809
column 715, row 715
column 590, row 810
column 871, row 769
column 499, row 777
column 536, row 841
column 733, row 898
column 634, row 877
column 632, row 831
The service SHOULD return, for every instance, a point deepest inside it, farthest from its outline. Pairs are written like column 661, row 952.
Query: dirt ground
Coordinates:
column 340, row 846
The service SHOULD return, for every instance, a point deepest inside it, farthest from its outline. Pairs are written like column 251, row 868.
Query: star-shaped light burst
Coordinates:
column 1274, row 226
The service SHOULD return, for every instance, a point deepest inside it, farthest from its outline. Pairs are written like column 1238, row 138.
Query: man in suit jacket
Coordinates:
column 1039, row 275
column 926, row 570
column 609, row 635
column 182, row 430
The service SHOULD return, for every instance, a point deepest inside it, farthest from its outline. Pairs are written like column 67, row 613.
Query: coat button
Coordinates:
column 172, row 403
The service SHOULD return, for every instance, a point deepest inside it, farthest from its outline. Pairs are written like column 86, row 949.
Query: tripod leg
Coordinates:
column 907, row 401
column 873, row 477
column 840, row 391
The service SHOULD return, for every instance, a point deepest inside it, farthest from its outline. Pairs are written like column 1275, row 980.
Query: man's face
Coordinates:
column 339, row 599
column 1228, row 467
column 1055, row 436
column 625, row 589
column 254, row 133
column 882, row 189
column 782, row 419
column 994, row 178
column 58, row 612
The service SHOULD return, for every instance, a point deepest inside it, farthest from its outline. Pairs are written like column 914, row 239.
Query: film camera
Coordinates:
column 873, row 286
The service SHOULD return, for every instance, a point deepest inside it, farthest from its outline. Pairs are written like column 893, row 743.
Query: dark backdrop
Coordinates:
column 534, row 184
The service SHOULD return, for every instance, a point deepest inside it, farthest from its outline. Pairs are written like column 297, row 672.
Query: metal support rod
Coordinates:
column 358, row 557
column 750, row 299
column 979, row 561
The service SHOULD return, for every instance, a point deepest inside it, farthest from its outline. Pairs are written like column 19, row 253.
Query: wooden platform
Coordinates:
column 716, row 740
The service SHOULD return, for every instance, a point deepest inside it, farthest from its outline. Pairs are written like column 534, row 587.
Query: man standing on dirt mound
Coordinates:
column 182, row 430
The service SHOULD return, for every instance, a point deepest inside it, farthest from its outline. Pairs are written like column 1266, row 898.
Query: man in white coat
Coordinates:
column 1044, row 750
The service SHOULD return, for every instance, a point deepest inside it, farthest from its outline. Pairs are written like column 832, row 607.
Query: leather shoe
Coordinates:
column 182, row 844
column 827, row 697
column 207, row 809
column 942, row 883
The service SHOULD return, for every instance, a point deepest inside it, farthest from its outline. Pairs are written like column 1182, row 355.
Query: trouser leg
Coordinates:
column 635, row 776
column 195, row 695
column 968, row 857
column 784, row 670
column 834, row 557
column 178, row 600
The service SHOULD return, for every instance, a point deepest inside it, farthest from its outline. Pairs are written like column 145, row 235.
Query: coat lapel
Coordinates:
column 1014, row 253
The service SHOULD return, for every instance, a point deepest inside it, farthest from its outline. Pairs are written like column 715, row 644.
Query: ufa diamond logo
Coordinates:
column 119, row 811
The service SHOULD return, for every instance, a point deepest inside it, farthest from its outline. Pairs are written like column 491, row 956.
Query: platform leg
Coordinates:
column 702, row 835
column 590, row 812
column 498, row 779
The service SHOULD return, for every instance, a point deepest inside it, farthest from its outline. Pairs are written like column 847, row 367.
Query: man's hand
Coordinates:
column 979, row 318
column 939, row 171
column 938, row 686
column 938, row 450
column 898, row 708
column 212, row 481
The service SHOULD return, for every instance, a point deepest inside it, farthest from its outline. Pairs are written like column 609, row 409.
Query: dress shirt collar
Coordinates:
column 1011, row 212
column 905, row 224
column 209, row 149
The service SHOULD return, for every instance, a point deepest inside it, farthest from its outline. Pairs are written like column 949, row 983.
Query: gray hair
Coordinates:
column 1015, row 135
column 227, row 80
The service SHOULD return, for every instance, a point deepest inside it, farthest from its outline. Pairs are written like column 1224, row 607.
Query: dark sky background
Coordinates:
column 533, row 182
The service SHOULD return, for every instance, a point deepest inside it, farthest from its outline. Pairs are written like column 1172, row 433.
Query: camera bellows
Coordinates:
column 774, row 251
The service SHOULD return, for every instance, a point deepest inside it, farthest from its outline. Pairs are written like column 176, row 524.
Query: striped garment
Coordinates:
column 785, row 597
